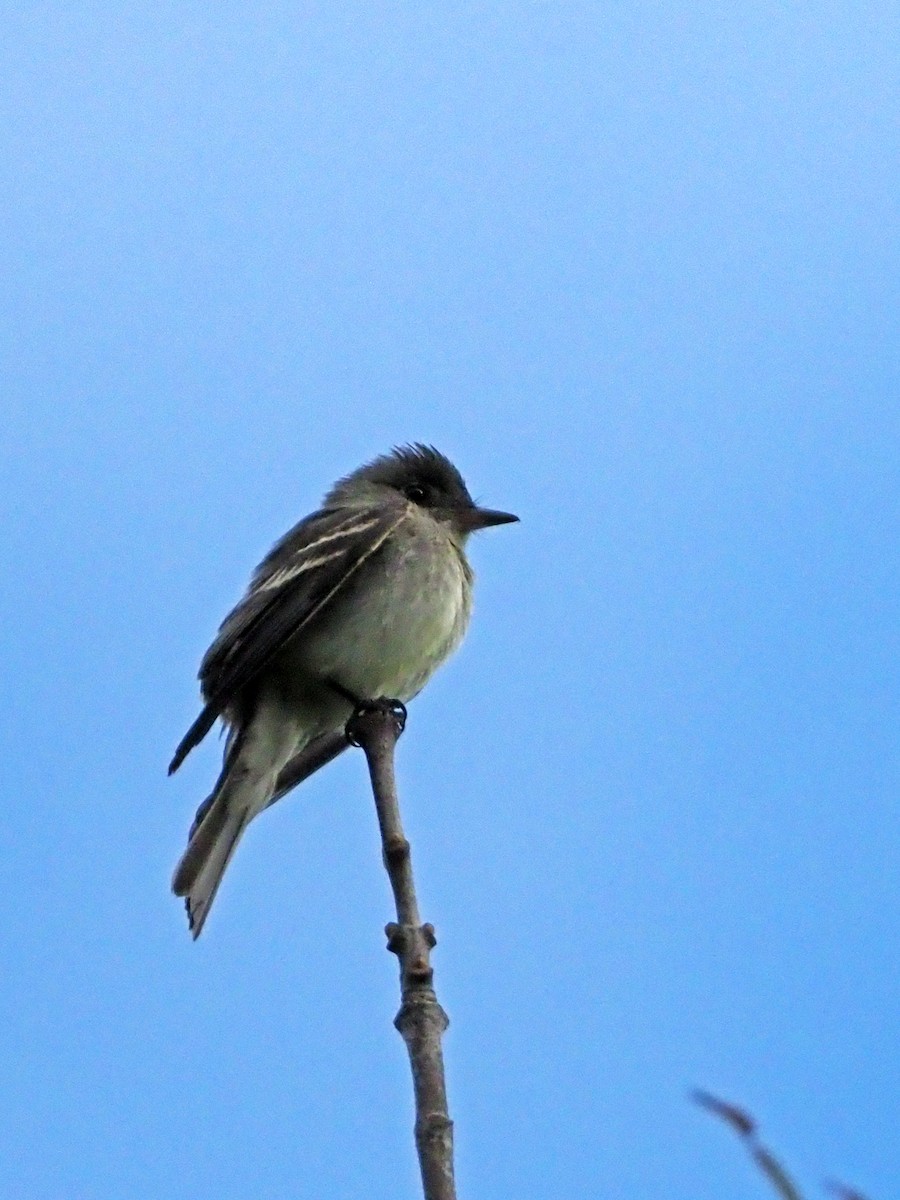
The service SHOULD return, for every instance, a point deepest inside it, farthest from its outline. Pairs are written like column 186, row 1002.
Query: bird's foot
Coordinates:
column 395, row 709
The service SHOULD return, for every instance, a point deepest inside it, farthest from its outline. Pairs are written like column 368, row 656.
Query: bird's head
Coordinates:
column 423, row 476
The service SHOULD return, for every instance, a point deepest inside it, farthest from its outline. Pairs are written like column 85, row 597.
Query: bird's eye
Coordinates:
column 415, row 492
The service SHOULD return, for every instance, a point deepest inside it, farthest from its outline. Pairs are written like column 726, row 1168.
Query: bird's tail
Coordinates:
column 256, row 753
column 212, row 843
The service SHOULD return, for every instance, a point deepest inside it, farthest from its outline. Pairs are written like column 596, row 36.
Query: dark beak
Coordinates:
column 482, row 518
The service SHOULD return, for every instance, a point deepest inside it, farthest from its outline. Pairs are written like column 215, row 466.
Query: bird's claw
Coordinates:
column 383, row 704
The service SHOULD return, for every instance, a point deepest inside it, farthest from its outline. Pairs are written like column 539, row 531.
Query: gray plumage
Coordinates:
column 364, row 598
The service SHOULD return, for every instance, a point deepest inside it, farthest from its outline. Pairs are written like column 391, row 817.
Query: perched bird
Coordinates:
column 363, row 599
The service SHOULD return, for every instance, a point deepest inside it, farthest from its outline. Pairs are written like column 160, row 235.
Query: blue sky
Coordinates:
column 635, row 268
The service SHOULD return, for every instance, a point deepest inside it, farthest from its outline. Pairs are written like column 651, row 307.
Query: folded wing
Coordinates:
column 295, row 582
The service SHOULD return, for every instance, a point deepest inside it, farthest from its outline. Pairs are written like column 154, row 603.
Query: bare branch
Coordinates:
column 842, row 1191
column 421, row 1021
column 745, row 1127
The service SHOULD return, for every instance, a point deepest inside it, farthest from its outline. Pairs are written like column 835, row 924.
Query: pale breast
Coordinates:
column 391, row 631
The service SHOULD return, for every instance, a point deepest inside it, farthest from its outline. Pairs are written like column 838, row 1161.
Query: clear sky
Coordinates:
column 634, row 266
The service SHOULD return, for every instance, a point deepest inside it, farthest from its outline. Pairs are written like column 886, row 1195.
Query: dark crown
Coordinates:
column 420, row 472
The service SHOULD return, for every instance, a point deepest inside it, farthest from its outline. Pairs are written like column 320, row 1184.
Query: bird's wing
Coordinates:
column 294, row 583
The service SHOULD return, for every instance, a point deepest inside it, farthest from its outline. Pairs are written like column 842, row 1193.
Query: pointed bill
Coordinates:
column 482, row 518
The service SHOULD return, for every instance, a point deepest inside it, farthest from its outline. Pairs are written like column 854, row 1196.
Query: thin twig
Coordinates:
column 421, row 1021
column 745, row 1127
column 842, row 1191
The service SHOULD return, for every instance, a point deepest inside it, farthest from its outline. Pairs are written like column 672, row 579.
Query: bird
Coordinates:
column 361, row 600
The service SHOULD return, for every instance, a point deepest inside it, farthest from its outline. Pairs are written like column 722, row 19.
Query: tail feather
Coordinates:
column 257, row 749
column 320, row 751
column 199, row 873
column 211, row 819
